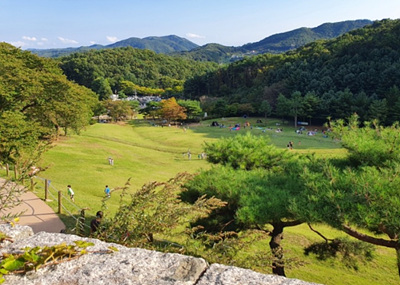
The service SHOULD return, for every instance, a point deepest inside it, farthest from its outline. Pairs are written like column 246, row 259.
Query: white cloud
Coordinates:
column 33, row 39
column 67, row 41
column 112, row 39
column 194, row 36
column 92, row 42
column 44, row 39
column 18, row 44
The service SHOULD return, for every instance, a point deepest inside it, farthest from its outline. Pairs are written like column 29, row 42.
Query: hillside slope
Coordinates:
column 358, row 72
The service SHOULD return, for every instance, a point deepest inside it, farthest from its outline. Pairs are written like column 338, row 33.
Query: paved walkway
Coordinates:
column 37, row 214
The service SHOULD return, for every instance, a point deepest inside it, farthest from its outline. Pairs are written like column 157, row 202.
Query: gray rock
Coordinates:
column 218, row 274
column 16, row 232
column 129, row 266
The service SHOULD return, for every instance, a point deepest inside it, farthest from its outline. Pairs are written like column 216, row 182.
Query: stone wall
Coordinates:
column 126, row 266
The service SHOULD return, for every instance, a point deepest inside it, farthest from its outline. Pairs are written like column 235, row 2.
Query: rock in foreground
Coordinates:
column 127, row 266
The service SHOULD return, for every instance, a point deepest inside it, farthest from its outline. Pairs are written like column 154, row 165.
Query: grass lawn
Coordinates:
column 144, row 152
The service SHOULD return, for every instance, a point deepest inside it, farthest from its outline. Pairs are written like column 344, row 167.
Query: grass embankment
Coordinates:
column 146, row 153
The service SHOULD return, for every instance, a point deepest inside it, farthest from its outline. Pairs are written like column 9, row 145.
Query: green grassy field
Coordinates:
column 144, row 153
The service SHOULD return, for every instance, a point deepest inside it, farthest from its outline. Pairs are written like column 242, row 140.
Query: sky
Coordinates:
column 45, row 24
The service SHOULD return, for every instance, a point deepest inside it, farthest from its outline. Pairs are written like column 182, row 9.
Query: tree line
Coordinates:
column 129, row 71
column 357, row 72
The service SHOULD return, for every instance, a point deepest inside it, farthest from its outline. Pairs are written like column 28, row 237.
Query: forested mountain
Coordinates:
column 166, row 44
column 357, row 72
column 294, row 39
column 128, row 70
column 212, row 52
column 277, row 43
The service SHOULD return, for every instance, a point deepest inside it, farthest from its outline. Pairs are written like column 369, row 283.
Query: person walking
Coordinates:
column 107, row 191
column 71, row 193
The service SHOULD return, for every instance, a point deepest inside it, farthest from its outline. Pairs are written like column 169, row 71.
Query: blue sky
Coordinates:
column 74, row 23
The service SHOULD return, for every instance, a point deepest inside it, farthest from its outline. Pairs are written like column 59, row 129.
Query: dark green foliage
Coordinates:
column 102, row 87
column 143, row 68
column 212, row 52
column 372, row 145
column 36, row 103
column 151, row 110
column 250, row 152
column 193, row 109
column 265, row 108
column 19, row 137
column 277, row 43
column 346, row 75
column 360, row 192
column 294, row 39
column 223, row 183
column 351, row 252
column 257, row 181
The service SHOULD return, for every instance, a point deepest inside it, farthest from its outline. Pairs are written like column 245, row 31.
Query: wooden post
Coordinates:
column 46, row 189
column 15, row 172
column 32, row 184
column 81, row 225
column 59, row 202
column 7, row 169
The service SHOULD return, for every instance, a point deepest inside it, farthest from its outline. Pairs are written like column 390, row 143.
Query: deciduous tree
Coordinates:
column 192, row 107
column 118, row 110
column 172, row 111
column 265, row 108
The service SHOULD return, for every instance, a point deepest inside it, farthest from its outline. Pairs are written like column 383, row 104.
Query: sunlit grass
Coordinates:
column 143, row 153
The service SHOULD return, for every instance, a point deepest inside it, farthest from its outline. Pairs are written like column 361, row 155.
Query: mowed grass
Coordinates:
column 143, row 153
column 82, row 161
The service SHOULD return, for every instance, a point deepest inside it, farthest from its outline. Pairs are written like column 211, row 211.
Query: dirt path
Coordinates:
column 36, row 214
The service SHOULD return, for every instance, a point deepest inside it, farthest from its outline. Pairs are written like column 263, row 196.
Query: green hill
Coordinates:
column 110, row 67
column 277, row 43
column 358, row 72
column 165, row 44
column 294, row 39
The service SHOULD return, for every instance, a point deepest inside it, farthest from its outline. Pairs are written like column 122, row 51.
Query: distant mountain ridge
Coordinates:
column 278, row 43
column 178, row 46
column 283, row 42
column 165, row 44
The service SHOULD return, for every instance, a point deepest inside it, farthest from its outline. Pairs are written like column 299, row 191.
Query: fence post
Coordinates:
column 7, row 169
column 46, row 189
column 81, row 223
column 15, row 172
column 59, row 202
